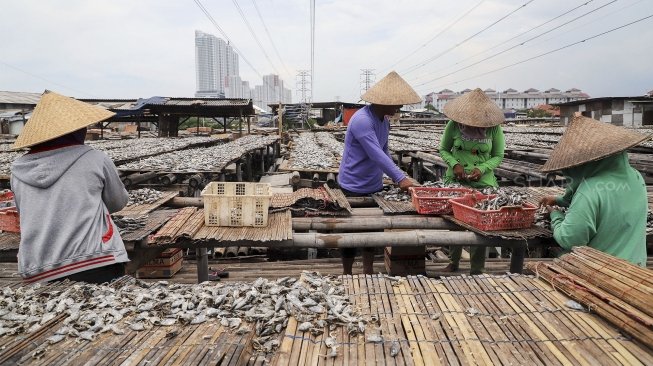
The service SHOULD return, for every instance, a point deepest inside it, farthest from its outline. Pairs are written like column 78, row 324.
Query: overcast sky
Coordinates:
column 143, row 48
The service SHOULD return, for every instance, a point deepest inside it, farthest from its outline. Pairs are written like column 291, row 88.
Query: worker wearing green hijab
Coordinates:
column 605, row 196
column 472, row 146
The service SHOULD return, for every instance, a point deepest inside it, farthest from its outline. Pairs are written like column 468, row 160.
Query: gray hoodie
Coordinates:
column 64, row 198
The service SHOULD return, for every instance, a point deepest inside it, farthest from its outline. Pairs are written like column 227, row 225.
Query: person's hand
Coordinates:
column 548, row 201
column 406, row 183
column 475, row 176
column 459, row 172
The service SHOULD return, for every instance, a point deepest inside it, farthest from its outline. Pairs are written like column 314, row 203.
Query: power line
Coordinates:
column 233, row 45
column 420, row 65
column 251, row 30
column 593, row 21
column 555, row 50
column 517, row 45
column 270, row 37
column 46, row 80
column 312, row 47
column 517, row 36
column 438, row 34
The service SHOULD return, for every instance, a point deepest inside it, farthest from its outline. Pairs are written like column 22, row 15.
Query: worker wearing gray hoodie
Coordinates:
column 65, row 192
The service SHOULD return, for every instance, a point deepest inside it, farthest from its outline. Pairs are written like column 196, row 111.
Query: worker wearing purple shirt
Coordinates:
column 366, row 156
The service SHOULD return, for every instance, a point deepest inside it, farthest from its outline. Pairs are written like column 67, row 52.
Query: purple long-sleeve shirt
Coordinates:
column 366, row 156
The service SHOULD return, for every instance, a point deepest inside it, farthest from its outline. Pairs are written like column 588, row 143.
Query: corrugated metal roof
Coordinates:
column 19, row 97
column 207, row 102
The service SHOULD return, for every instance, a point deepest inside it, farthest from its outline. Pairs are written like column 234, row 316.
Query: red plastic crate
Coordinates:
column 433, row 200
column 9, row 220
column 505, row 218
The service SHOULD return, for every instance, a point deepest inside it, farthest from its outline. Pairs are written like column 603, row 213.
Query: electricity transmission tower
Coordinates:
column 303, row 85
column 366, row 79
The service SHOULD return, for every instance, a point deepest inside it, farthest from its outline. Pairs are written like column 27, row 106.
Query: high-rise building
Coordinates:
column 271, row 92
column 215, row 62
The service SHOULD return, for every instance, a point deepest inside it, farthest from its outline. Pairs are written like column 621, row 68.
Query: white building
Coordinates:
column 237, row 88
column 271, row 92
column 215, row 62
column 511, row 98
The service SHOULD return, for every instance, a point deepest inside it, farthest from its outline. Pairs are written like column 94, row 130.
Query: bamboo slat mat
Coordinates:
column 188, row 224
column 138, row 210
column 154, row 221
column 394, row 207
column 481, row 320
column 288, row 199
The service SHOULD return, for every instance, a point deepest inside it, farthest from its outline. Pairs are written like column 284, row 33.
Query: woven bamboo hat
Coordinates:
column 391, row 90
column 56, row 115
column 474, row 109
column 588, row 140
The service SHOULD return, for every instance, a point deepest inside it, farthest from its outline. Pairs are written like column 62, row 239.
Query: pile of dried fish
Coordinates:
column 415, row 140
column 128, row 224
column 210, row 159
column 308, row 154
column 143, row 196
column 649, row 223
column 6, row 158
column 504, row 197
column 326, row 140
column 394, row 193
column 262, row 307
column 121, row 150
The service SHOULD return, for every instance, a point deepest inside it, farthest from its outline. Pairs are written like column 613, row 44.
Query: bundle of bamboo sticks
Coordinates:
column 615, row 289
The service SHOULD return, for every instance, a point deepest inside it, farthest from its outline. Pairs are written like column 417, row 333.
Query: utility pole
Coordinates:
column 303, row 85
column 366, row 79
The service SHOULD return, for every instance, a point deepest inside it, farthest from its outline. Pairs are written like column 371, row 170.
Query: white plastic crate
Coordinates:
column 236, row 204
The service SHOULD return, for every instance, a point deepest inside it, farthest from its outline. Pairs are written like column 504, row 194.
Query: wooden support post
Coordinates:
column 240, row 122
column 331, row 180
column 416, row 165
column 517, row 258
column 262, row 154
column 316, row 180
column 248, row 168
column 248, row 125
column 141, row 255
column 239, row 171
column 202, row 259
column 224, row 124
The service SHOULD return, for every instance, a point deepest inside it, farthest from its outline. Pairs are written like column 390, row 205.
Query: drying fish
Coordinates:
column 308, row 154
column 394, row 349
column 55, row 338
column 375, row 338
column 143, row 196
column 305, row 326
column 266, row 306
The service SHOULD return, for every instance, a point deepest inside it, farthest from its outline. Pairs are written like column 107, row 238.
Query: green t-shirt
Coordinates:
column 485, row 154
column 607, row 209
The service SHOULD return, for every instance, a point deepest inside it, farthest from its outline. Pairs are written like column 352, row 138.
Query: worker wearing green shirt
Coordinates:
column 605, row 196
column 472, row 146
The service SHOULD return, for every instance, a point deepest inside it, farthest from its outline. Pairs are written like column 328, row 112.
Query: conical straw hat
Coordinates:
column 56, row 115
column 588, row 140
column 474, row 109
column 391, row 90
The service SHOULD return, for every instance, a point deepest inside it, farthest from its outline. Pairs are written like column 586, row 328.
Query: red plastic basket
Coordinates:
column 9, row 220
column 505, row 218
column 433, row 200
